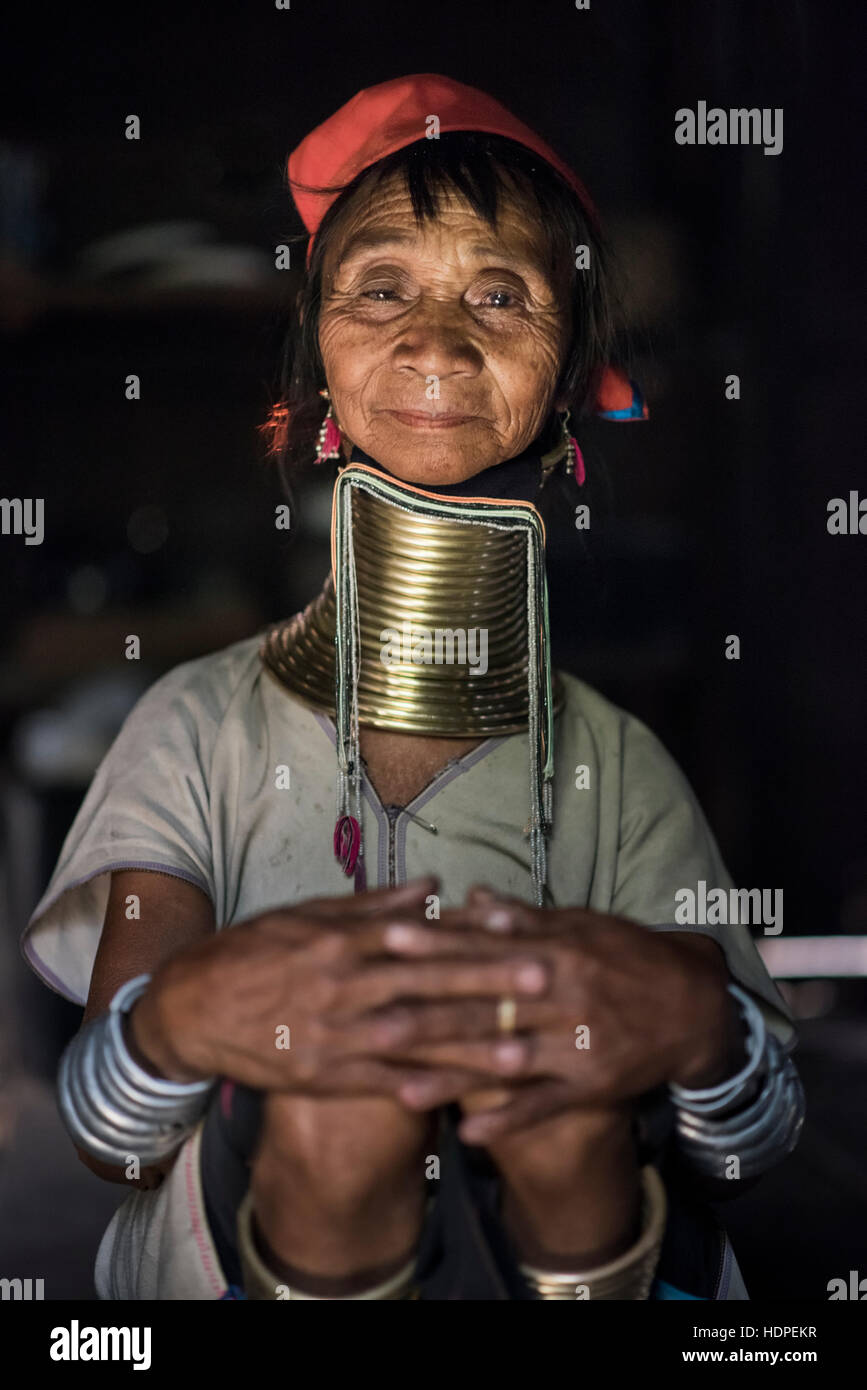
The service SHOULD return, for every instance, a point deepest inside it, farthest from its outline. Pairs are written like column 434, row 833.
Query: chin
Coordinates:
column 434, row 463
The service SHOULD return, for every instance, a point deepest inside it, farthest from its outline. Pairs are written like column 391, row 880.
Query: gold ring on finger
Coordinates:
column 507, row 1012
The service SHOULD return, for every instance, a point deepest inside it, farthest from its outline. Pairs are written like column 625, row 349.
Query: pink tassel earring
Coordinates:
column 329, row 437
column 567, row 448
column 574, row 456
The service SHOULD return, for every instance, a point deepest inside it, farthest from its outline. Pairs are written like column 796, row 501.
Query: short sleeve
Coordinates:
column 666, row 847
column 147, row 808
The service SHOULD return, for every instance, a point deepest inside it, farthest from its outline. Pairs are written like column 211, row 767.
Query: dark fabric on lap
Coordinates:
column 228, row 1144
column 465, row 1252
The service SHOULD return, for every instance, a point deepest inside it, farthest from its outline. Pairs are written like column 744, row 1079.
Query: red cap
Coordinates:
column 379, row 120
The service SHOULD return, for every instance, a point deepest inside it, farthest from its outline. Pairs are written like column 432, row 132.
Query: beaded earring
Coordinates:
column 328, row 439
column 566, row 447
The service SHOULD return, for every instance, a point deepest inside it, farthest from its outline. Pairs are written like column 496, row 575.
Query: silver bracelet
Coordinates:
column 110, row 1105
column 756, row 1117
column 729, row 1095
column 759, row 1137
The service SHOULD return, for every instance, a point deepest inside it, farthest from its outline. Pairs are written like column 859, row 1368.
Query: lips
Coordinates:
column 431, row 420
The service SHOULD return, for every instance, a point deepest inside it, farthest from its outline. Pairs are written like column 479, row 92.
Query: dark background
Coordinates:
column 708, row 520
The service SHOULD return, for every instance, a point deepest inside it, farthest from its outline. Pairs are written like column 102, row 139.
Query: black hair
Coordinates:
column 482, row 168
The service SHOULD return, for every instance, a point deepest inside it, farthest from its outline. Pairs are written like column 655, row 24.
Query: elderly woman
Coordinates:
column 450, row 1041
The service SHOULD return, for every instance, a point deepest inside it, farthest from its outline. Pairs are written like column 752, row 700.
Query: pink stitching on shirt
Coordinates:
column 198, row 1232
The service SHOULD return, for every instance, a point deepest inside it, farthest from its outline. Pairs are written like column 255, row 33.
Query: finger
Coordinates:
column 368, row 938
column 372, row 986
column 529, row 1106
column 482, row 908
column 419, row 940
column 449, row 1086
column 490, row 913
column 491, row 907
column 482, row 892
column 489, row 1098
column 365, row 1076
column 425, row 1089
column 517, row 1057
column 399, row 1027
column 382, row 937
column 351, row 912
column 402, row 929
column 375, row 900
column 494, row 913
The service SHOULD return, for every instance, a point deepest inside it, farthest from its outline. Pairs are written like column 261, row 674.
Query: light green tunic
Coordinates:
column 193, row 786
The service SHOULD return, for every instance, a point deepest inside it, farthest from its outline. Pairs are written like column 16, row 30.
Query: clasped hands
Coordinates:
column 604, row 1010
column 359, row 1018
column 379, row 1001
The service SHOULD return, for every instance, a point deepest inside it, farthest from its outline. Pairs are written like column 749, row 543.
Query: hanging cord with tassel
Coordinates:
column 539, row 685
column 348, row 845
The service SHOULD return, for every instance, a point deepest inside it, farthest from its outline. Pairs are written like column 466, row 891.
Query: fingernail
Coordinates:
column 509, row 1054
column 416, row 1092
column 498, row 919
column 473, row 1131
column 530, row 978
column 400, row 936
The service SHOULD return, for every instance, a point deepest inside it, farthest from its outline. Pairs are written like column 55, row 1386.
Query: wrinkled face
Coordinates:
column 442, row 343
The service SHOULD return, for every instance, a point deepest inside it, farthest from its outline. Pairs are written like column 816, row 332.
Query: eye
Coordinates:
column 502, row 299
column 380, row 285
column 502, row 296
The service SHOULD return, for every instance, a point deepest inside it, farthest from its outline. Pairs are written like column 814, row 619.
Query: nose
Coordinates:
column 434, row 341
